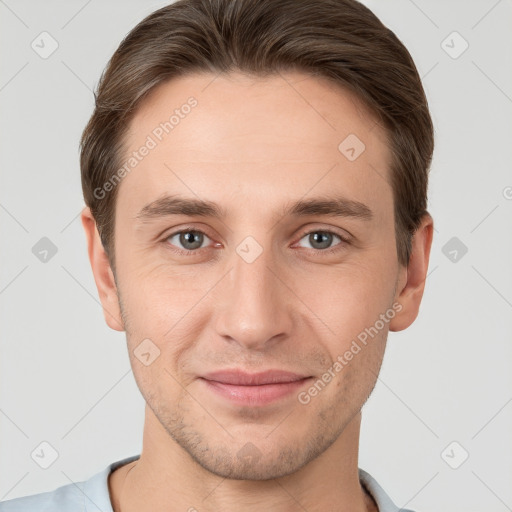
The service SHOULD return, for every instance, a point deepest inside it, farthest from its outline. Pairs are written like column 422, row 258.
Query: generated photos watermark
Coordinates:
column 152, row 140
column 305, row 397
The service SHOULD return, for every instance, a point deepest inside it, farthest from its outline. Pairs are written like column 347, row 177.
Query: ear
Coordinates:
column 411, row 282
column 103, row 275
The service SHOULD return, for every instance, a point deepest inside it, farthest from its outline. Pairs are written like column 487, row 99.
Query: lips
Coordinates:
column 241, row 378
column 257, row 389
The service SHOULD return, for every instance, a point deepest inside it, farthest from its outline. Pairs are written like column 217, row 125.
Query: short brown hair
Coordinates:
column 341, row 40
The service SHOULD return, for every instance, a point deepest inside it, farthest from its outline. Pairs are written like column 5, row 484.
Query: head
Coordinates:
column 255, row 175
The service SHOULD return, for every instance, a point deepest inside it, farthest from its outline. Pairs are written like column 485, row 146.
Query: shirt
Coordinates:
column 92, row 495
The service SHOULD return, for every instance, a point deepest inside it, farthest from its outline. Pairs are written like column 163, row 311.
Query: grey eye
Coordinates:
column 321, row 239
column 189, row 239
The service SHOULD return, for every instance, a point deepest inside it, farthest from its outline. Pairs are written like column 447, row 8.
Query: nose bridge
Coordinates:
column 252, row 309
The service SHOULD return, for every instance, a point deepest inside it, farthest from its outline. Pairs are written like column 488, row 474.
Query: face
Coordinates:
column 287, row 255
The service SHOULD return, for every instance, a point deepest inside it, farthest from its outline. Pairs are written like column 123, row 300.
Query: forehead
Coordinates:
column 266, row 139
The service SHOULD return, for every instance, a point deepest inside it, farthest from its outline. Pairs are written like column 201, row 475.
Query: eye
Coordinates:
column 187, row 240
column 321, row 240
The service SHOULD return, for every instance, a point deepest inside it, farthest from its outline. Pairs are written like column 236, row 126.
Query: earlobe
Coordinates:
column 412, row 280
column 103, row 275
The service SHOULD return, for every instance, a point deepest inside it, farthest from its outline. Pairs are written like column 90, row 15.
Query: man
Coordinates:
column 255, row 175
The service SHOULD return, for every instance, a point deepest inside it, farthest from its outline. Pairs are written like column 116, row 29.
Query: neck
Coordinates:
column 165, row 477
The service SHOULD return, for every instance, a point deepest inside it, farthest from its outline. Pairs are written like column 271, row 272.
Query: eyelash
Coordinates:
column 343, row 242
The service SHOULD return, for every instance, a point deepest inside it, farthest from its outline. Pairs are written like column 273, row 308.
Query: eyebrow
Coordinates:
column 328, row 206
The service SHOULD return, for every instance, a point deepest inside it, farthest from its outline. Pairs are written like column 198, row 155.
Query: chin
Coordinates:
column 266, row 461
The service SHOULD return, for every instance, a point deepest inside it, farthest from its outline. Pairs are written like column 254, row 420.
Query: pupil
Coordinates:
column 191, row 237
column 317, row 238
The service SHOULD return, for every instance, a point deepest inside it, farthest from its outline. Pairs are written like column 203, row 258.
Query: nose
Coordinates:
column 252, row 304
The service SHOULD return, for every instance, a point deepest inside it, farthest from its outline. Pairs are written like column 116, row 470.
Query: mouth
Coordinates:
column 258, row 389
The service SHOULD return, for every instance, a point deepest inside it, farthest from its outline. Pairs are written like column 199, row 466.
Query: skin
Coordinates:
column 254, row 145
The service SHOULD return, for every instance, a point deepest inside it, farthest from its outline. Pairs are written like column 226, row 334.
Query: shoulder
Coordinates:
column 91, row 495
column 65, row 498
column 381, row 498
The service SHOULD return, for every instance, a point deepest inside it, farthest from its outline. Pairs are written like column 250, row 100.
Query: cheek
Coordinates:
column 347, row 299
column 156, row 299
column 158, row 380
column 166, row 315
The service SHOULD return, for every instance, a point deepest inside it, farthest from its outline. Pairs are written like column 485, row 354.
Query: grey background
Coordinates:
column 65, row 377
